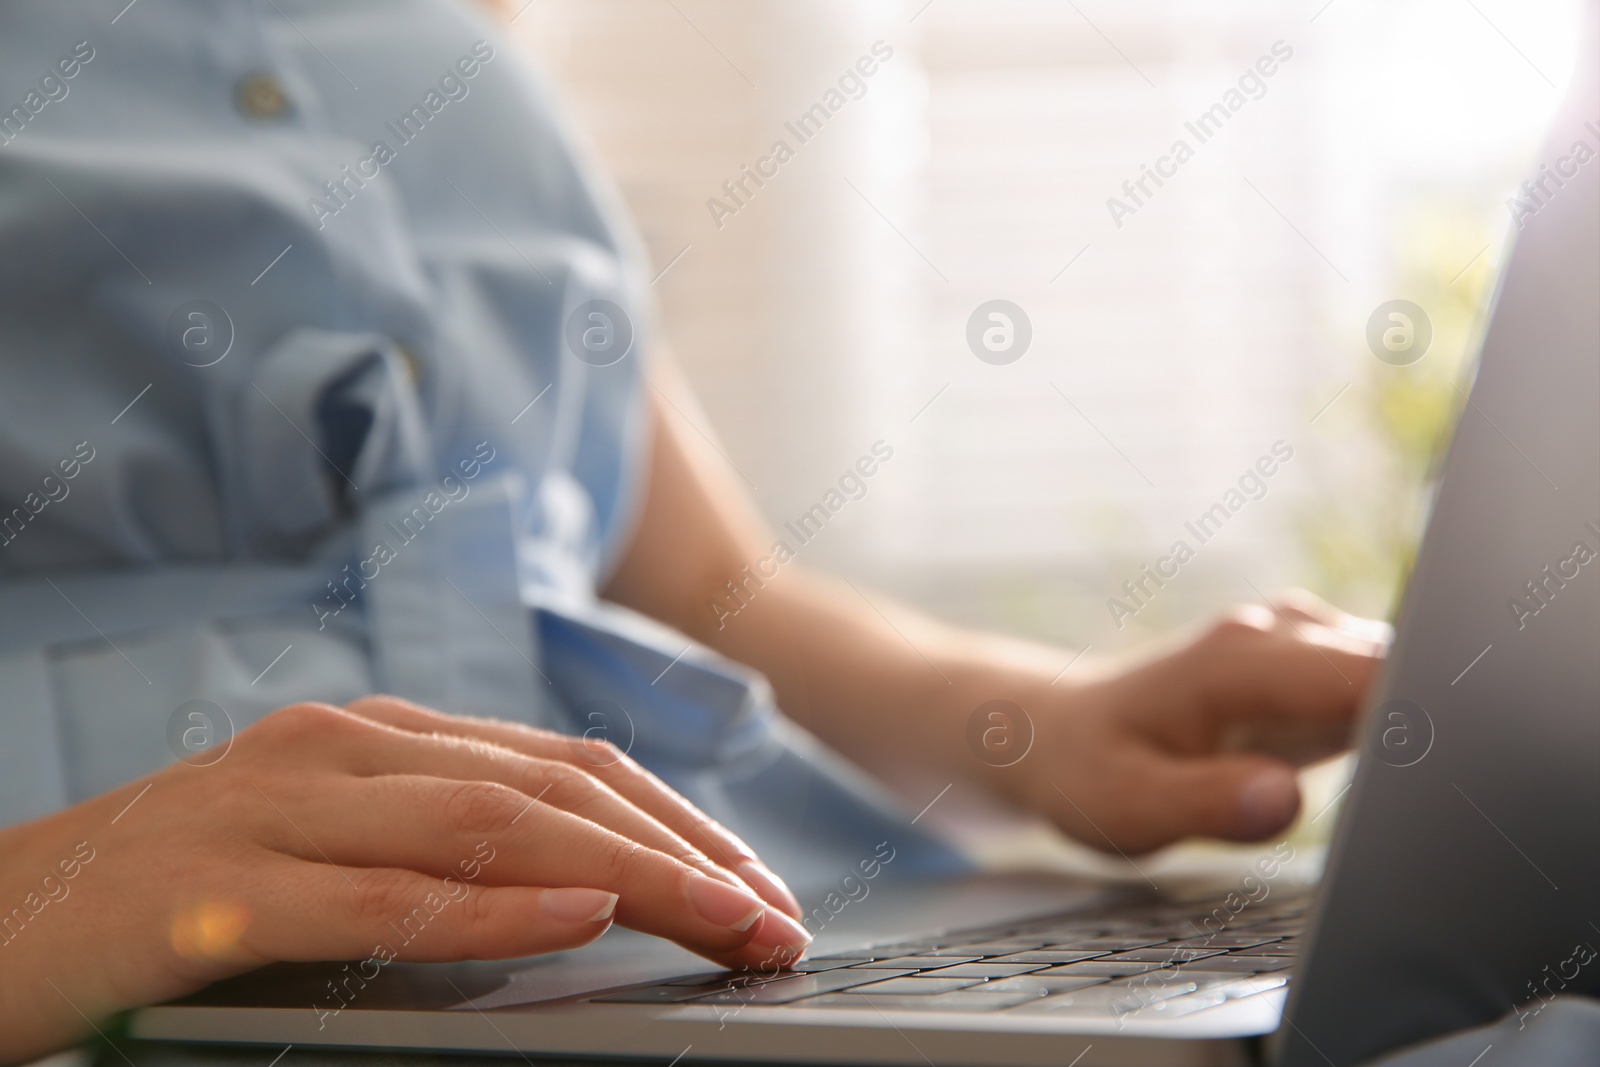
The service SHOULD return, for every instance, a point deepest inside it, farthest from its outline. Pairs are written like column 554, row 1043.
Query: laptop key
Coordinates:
column 986, row 969
column 1101, row 969
column 706, row 978
column 818, row 966
column 1240, row 964
column 1164, row 954
column 919, row 963
column 917, row 986
column 1114, row 944
column 985, row 948
column 1051, row 956
column 1172, row 932
column 798, row 987
column 1228, row 941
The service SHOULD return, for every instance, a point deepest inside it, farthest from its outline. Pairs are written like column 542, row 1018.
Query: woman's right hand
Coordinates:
column 382, row 829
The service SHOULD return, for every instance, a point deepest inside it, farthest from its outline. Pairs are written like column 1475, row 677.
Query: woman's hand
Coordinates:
column 382, row 830
column 1202, row 739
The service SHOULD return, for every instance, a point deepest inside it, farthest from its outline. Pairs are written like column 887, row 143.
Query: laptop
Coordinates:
column 1462, row 882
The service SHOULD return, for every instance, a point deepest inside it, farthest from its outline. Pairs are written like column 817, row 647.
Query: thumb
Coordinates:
column 1233, row 797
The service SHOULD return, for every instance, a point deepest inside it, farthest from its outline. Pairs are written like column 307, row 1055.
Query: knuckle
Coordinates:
column 621, row 770
column 378, row 896
column 302, row 722
column 593, row 752
column 368, row 704
column 477, row 907
column 481, row 807
column 1297, row 599
column 625, row 766
column 386, row 707
column 608, row 753
column 616, row 857
column 1240, row 624
column 564, row 785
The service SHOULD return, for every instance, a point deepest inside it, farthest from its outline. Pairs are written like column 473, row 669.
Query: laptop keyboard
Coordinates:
column 1165, row 960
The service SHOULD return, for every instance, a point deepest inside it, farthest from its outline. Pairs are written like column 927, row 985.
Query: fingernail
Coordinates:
column 783, row 938
column 578, row 905
column 720, row 903
column 769, row 885
column 1268, row 801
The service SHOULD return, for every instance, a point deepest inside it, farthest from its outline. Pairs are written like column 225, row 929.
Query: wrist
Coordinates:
column 1002, row 712
column 34, row 1017
column 79, row 940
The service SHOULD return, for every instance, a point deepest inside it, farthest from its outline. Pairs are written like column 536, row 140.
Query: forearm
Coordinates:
column 884, row 684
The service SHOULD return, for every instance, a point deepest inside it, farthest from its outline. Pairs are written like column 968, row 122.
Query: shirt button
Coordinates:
column 411, row 362
column 261, row 96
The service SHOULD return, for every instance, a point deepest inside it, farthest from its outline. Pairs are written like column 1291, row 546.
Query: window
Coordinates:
column 1176, row 339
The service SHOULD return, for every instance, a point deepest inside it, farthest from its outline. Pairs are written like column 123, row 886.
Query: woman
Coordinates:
column 330, row 374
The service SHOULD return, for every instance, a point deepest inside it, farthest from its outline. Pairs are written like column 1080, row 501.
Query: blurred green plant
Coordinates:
column 1360, row 539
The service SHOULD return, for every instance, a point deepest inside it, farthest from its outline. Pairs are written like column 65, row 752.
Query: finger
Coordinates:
column 1300, row 605
column 1232, row 797
column 439, row 827
column 297, row 911
column 1310, row 672
column 1306, row 606
column 615, row 768
column 386, row 750
column 1298, row 742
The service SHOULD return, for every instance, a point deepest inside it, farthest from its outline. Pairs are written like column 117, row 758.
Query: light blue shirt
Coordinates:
column 322, row 376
